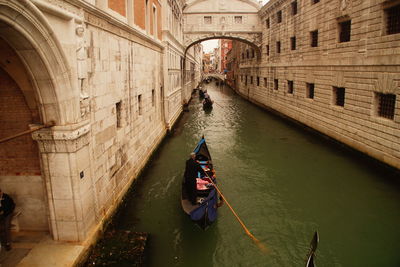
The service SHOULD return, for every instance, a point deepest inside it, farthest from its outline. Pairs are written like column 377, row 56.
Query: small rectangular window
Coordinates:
column 278, row 47
column 207, row 20
column 293, row 43
column 238, row 19
column 279, row 16
column 118, row 112
column 290, row 87
column 386, row 105
column 265, row 82
column 267, row 23
column 267, row 49
column 393, row 20
column 310, row 90
column 140, row 108
column 252, row 53
column 314, row 38
column 245, row 81
column 153, row 98
column 276, row 84
column 242, row 55
column 345, row 31
column 247, row 53
column 339, row 96
column 258, row 81
column 251, row 79
column 294, row 8
column 314, row 1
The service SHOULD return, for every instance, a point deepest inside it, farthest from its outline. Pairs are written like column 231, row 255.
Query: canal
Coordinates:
column 283, row 181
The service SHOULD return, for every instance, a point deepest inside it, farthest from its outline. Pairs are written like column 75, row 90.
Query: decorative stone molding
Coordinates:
column 59, row 139
column 338, row 79
column 386, row 84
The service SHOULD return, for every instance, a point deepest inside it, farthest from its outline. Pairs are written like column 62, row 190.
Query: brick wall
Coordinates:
column 18, row 156
column 118, row 6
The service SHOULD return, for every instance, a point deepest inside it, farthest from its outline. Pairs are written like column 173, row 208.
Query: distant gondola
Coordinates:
column 204, row 212
column 207, row 104
column 201, row 93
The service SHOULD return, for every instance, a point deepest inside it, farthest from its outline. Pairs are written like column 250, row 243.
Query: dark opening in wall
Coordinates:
column 386, row 105
column 345, row 31
column 339, row 96
column 310, row 90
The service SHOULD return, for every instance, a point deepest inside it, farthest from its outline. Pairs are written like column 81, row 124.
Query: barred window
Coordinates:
column 290, row 87
column 276, row 84
column 393, row 19
column 278, row 47
column 310, row 90
column 118, row 112
column 279, row 16
column 293, row 43
column 294, row 8
column 339, row 96
column 267, row 49
column 267, row 23
column 345, row 31
column 314, row 38
column 207, row 20
column 386, row 105
column 238, row 19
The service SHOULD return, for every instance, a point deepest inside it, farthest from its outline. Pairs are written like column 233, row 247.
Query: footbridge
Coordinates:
column 222, row 19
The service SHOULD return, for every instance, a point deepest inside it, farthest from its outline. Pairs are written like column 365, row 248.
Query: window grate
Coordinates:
column 238, row 19
column 290, row 87
column 293, row 43
column 279, row 16
column 386, row 105
column 345, row 31
column 393, row 20
column 339, row 93
column 207, row 20
column 294, row 8
column 314, row 38
column 310, row 90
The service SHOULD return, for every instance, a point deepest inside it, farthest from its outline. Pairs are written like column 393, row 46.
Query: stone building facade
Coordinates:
column 334, row 66
column 100, row 72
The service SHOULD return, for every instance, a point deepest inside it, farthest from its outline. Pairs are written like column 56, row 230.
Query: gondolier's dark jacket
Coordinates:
column 7, row 206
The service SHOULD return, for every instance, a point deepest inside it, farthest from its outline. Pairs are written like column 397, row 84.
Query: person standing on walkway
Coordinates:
column 7, row 206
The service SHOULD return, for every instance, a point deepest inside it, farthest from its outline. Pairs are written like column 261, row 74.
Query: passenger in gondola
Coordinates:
column 191, row 173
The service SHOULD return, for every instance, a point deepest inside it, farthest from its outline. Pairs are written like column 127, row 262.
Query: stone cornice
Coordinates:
column 92, row 11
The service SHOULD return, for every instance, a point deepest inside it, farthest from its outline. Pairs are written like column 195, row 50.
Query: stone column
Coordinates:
column 65, row 159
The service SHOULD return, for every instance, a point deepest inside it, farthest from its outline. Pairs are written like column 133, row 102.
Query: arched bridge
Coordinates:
column 214, row 75
column 222, row 19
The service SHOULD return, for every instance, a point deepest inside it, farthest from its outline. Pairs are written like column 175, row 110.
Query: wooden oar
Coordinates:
column 258, row 242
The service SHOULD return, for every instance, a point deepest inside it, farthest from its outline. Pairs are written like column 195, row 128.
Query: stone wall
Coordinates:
column 366, row 65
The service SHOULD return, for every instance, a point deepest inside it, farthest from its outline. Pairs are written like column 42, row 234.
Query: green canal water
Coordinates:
column 283, row 181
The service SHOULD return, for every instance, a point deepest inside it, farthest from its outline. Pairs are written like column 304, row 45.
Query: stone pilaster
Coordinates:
column 64, row 152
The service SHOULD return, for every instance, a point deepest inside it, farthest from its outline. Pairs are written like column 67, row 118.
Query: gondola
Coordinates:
column 207, row 104
column 201, row 93
column 204, row 212
column 313, row 248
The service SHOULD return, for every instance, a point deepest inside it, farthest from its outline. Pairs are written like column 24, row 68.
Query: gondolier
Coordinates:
column 192, row 171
